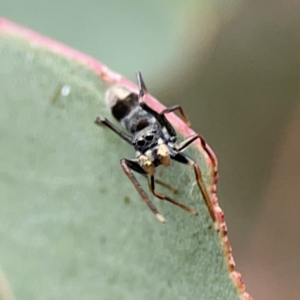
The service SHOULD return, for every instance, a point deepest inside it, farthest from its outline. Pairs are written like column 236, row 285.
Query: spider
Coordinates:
column 154, row 140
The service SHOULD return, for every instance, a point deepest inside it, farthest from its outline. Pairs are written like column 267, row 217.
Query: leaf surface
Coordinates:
column 72, row 225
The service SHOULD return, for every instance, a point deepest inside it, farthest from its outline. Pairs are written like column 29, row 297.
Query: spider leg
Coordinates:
column 159, row 117
column 169, row 187
column 162, row 183
column 141, row 85
column 164, row 197
column 181, row 112
column 182, row 146
column 103, row 121
column 182, row 158
column 129, row 165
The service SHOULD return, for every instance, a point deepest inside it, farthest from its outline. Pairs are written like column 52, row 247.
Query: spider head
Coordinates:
column 151, row 148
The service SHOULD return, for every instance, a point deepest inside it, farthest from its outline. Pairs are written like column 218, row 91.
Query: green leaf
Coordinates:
column 72, row 226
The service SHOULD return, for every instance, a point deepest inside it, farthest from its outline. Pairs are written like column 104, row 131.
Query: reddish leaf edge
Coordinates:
column 110, row 77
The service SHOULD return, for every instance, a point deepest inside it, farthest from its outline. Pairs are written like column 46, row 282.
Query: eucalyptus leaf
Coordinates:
column 72, row 226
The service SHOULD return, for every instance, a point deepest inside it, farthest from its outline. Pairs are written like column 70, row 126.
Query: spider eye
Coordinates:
column 141, row 143
column 149, row 137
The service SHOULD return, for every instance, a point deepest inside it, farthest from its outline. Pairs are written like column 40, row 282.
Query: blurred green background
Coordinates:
column 234, row 67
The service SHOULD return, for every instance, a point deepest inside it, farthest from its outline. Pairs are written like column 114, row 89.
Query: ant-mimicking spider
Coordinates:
column 154, row 140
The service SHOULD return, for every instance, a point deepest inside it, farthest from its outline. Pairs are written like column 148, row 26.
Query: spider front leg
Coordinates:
column 186, row 160
column 167, row 198
column 129, row 165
